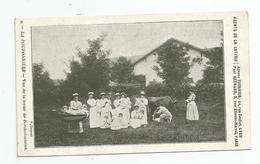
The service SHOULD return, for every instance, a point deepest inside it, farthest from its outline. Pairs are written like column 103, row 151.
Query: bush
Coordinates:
column 43, row 86
column 214, row 92
column 155, row 89
column 129, row 88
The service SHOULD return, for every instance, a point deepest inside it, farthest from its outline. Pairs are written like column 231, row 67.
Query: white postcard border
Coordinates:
column 24, row 98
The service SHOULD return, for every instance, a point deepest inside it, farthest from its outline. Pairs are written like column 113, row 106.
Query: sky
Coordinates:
column 54, row 45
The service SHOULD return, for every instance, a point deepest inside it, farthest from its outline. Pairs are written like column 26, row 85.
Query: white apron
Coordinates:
column 192, row 110
column 105, row 107
column 142, row 103
column 136, row 119
column 94, row 114
column 124, row 112
column 115, row 115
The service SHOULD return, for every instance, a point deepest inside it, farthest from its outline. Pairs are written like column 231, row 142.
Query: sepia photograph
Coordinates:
column 128, row 83
column 132, row 84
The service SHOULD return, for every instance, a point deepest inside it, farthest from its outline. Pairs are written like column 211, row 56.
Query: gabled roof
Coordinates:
column 169, row 40
column 133, row 59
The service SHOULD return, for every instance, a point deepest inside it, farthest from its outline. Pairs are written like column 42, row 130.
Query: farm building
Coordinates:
column 144, row 64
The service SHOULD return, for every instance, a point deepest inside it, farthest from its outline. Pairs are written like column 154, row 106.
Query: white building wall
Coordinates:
column 145, row 67
column 196, row 71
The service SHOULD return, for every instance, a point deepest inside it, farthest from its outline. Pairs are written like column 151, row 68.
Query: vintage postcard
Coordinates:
column 132, row 84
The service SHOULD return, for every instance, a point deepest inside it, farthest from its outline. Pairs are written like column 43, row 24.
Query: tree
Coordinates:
column 91, row 72
column 173, row 65
column 211, row 87
column 42, row 85
column 122, row 70
column 123, row 78
column 214, row 72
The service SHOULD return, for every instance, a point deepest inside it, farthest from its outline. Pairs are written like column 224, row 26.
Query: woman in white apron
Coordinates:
column 74, row 108
column 114, row 112
column 165, row 114
column 124, row 115
column 142, row 102
column 136, row 117
column 105, row 107
column 94, row 115
column 192, row 110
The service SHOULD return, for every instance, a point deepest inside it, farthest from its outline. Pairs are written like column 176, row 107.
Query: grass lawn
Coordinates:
column 211, row 127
